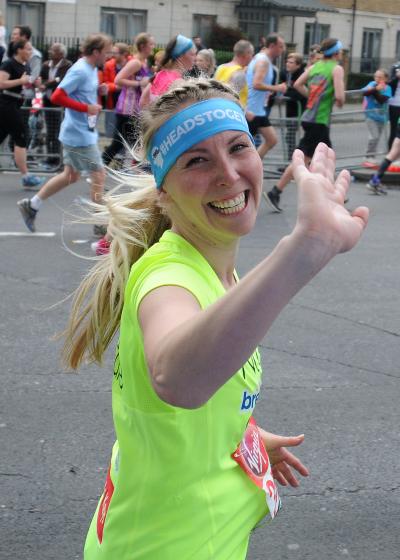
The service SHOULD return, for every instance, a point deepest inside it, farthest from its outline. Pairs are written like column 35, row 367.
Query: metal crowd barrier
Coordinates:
column 44, row 151
column 348, row 131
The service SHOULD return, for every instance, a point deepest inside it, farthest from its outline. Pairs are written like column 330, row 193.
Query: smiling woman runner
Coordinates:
column 189, row 474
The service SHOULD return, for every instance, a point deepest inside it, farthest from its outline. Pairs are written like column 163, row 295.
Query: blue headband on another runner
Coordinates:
column 334, row 49
column 189, row 127
column 182, row 45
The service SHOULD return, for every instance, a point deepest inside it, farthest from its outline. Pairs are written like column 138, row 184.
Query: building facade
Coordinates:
column 369, row 29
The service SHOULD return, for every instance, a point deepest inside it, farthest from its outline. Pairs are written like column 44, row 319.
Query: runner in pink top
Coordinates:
column 179, row 58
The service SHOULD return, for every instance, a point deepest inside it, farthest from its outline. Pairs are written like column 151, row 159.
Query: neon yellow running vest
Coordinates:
column 224, row 74
column 176, row 493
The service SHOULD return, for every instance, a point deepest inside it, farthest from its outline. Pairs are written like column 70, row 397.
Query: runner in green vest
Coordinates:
column 323, row 85
column 191, row 474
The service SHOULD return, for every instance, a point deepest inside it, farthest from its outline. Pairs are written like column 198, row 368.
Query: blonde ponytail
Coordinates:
column 135, row 221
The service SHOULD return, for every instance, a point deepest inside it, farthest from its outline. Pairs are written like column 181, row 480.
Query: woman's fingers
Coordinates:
column 342, row 182
column 323, row 162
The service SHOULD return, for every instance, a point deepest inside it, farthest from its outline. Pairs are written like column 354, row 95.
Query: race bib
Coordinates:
column 252, row 457
column 104, row 504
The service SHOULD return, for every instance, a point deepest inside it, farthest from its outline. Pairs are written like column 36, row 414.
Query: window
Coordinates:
column 123, row 25
column 256, row 23
column 202, row 26
column 397, row 53
column 26, row 13
column 371, row 50
column 315, row 33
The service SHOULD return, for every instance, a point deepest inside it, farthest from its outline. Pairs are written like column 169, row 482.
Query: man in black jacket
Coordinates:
column 295, row 104
column 52, row 72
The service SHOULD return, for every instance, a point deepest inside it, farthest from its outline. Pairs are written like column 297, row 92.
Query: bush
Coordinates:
column 223, row 56
column 357, row 80
column 223, row 38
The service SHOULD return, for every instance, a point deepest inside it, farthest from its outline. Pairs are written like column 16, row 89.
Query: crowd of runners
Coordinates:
column 123, row 79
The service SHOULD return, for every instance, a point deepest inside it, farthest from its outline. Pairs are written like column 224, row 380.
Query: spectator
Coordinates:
column 77, row 92
column 131, row 79
column 314, row 54
column 51, row 74
column 262, row 43
column 295, row 102
column 259, row 77
column 376, row 95
column 14, row 74
column 35, row 61
column 157, row 60
column 179, row 58
column 198, row 44
column 205, row 62
column 234, row 72
column 120, row 56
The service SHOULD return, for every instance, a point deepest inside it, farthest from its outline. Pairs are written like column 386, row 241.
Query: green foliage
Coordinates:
column 223, row 38
column 357, row 80
column 223, row 56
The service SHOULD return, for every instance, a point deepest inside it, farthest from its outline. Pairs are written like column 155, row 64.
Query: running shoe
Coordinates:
column 28, row 213
column 101, row 247
column 99, row 230
column 31, row 181
column 375, row 186
column 273, row 199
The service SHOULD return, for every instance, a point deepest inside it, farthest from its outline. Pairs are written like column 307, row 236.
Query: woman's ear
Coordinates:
column 164, row 197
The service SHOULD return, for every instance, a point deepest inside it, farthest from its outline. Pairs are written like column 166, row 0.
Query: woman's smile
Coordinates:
column 232, row 205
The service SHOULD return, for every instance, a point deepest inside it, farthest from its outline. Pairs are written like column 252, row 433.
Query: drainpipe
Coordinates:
column 353, row 22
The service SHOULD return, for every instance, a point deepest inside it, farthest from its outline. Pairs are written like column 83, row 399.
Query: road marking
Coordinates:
column 27, row 234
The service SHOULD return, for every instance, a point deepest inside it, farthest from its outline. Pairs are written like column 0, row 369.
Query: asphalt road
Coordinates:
column 331, row 370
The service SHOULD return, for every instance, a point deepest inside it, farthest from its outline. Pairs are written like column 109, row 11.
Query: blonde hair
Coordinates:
column 209, row 56
column 136, row 221
column 142, row 40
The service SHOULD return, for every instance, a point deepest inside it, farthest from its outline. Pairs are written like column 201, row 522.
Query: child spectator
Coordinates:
column 376, row 96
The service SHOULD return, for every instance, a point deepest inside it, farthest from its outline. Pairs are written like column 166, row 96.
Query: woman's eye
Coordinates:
column 195, row 160
column 239, row 146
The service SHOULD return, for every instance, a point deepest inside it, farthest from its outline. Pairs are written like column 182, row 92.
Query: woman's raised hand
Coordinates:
column 322, row 218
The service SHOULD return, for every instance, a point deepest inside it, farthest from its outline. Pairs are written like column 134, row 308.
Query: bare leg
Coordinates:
column 67, row 177
column 20, row 159
column 98, row 179
column 287, row 175
column 269, row 140
column 394, row 150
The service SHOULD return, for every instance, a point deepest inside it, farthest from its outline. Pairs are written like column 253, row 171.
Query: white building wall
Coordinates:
column 164, row 18
column 341, row 27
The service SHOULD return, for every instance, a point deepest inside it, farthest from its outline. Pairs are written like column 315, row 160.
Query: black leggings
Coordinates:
column 126, row 132
column 12, row 123
column 394, row 115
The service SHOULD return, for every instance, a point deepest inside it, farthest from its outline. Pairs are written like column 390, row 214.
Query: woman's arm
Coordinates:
column 124, row 76
column 145, row 97
column 6, row 83
column 300, row 83
column 338, row 84
column 191, row 352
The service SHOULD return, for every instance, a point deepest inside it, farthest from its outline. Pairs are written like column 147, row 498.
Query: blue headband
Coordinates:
column 334, row 49
column 189, row 127
column 182, row 45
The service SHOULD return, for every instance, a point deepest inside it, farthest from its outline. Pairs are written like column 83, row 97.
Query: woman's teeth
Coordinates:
column 230, row 206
